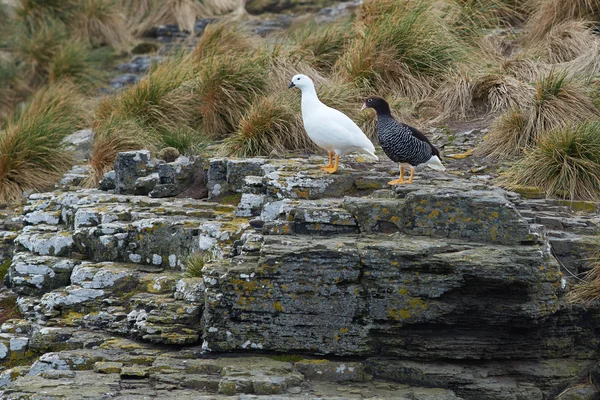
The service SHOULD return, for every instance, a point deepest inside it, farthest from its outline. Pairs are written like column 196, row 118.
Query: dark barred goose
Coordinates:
column 403, row 143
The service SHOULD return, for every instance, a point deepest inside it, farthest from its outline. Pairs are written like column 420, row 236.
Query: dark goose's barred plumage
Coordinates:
column 400, row 142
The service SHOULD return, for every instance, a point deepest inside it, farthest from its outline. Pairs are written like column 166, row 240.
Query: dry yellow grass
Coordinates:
column 100, row 22
column 225, row 37
column 556, row 102
column 31, row 154
column 565, row 162
column 566, row 41
column 550, row 13
column 145, row 14
column 588, row 290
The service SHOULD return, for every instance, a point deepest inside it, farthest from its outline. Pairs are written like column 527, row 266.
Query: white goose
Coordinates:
column 329, row 128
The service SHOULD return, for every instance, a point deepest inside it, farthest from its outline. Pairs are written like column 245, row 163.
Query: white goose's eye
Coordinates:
column 297, row 79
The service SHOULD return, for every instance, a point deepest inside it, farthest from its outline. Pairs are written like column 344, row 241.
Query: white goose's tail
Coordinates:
column 435, row 163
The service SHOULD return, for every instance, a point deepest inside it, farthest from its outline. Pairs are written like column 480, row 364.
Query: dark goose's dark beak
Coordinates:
column 291, row 85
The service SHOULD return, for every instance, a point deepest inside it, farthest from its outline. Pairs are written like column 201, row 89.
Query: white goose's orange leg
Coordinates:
column 335, row 167
column 330, row 165
column 400, row 180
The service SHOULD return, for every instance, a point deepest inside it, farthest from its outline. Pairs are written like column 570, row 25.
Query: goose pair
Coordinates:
column 339, row 135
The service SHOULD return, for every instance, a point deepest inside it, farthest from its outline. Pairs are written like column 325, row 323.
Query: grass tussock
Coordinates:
column 501, row 92
column 400, row 44
column 116, row 134
column 470, row 17
column 100, row 22
column 565, row 163
column 77, row 62
column 548, row 14
column 140, row 115
column 194, row 265
column 557, row 101
column 223, row 38
column 566, row 41
column 319, row 45
column 225, row 88
column 145, row 14
column 588, row 290
column 13, row 87
column 31, row 153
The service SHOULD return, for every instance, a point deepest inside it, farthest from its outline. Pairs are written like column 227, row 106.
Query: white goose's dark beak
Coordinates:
column 363, row 107
column 291, row 85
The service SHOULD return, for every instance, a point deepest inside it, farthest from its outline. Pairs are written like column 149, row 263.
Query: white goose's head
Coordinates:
column 302, row 82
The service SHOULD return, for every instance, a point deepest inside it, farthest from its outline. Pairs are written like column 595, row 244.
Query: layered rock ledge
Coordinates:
column 444, row 289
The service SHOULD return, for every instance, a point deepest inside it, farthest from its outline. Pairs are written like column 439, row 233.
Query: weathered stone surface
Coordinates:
column 80, row 143
column 176, row 176
column 129, row 166
column 109, row 181
column 31, row 275
column 45, row 240
column 331, row 371
column 76, row 177
column 145, row 184
column 238, row 170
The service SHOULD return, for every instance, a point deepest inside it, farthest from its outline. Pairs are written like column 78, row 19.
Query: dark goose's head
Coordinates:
column 378, row 104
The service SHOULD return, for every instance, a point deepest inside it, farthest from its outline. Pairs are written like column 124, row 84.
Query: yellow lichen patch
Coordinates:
column 395, row 219
column 394, row 263
column 494, row 232
column 461, row 155
column 434, row 214
column 303, row 194
column 403, row 291
column 415, row 307
column 493, row 215
column 277, row 306
column 344, row 330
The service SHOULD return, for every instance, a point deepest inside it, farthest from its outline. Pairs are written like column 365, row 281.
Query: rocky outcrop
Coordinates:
column 444, row 289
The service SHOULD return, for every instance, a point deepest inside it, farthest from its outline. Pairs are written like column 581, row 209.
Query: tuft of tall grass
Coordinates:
column 31, row 153
column 319, row 45
column 194, row 265
column 225, row 88
column 76, row 61
column 501, row 92
column 587, row 291
column 35, row 48
column 469, row 17
column 13, row 87
column 399, row 43
column 559, row 100
column 550, row 13
column 140, row 115
column 36, row 13
column 220, row 38
column 98, row 23
column 187, row 140
column 113, row 135
column 142, row 15
column 565, row 160
column 270, row 126
column 566, row 41
column 556, row 102
column 508, row 135
column 151, row 100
